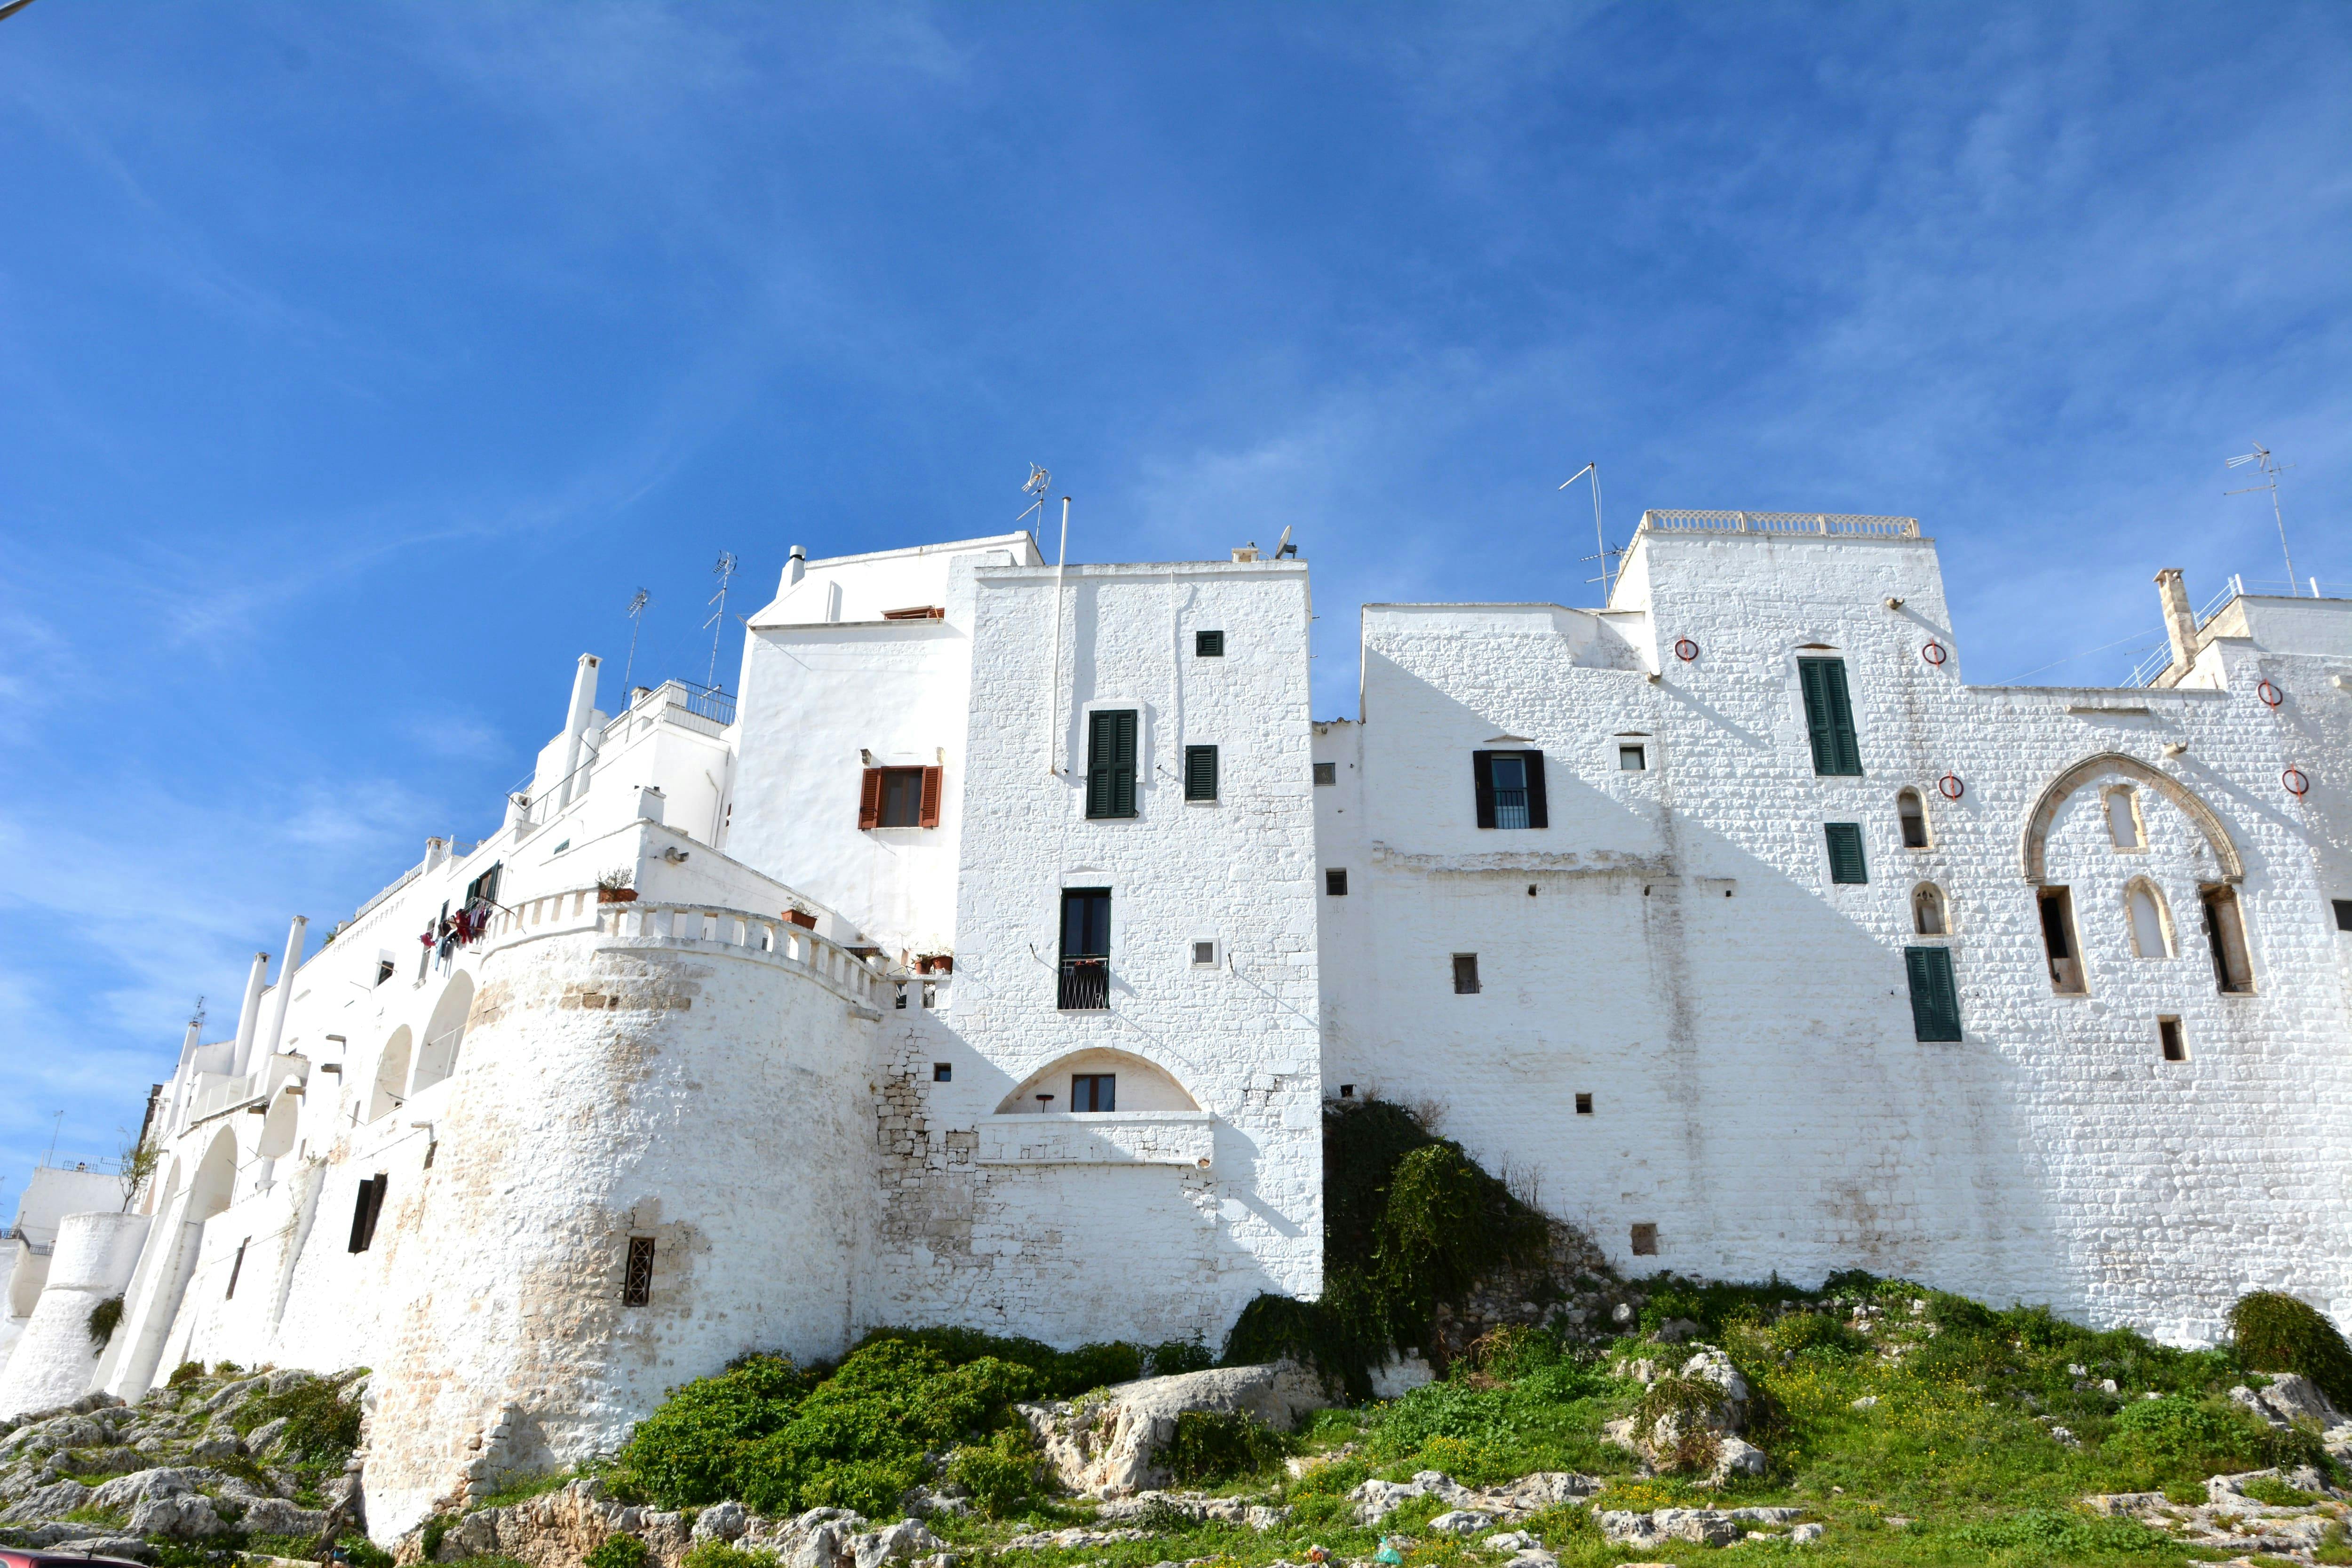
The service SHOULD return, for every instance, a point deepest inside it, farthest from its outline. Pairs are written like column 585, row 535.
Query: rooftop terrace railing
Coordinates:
column 1846, row 523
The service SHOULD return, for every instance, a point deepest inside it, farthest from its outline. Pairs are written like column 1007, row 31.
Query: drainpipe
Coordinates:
column 250, row 1015
column 2180, row 620
column 286, row 968
column 795, row 569
column 575, row 725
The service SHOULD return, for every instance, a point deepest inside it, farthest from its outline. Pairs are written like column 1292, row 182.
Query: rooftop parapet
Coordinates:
column 1845, row 523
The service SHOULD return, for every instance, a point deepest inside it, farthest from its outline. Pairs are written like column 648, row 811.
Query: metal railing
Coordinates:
column 1510, row 808
column 1085, row 986
column 1847, row 523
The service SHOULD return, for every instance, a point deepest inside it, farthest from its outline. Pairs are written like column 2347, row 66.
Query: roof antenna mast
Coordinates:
column 725, row 570
column 2271, row 468
column 1600, row 541
column 636, row 613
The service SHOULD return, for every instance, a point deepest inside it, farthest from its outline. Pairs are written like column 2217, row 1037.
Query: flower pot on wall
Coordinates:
column 617, row 895
column 801, row 917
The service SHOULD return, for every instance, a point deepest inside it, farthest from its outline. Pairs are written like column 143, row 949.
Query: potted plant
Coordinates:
column 801, row 917
column 613, row 888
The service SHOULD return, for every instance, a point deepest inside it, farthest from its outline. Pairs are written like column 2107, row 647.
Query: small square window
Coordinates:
column 1326, row 773
column 1209, row 644
column 1204, row 955
column 1584, row 1105
column 2344, row 914
column 1094, row 1091
column 1347, row 1091
column 1335, row 882
column 1466, row 975
column 943, row 1072
column 1631, row 760
column 900, row 1003
column 1645, row 1241
column 2170, row 1040
column 383, row 966
column 637, row 1284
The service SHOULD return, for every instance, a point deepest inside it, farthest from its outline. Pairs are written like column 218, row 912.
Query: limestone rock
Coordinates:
column 275, row 1516
column 1399, row 1375
column 1110, row 1446
column 1461, row 1521
column 1510, row 1540
column 168, row 1480
column 894, row 1543
column 187, row 1515
column 264, row 1438
column 722, row 1522
column 1736, row 1456
column 50, row 1502
column 1806, row 1534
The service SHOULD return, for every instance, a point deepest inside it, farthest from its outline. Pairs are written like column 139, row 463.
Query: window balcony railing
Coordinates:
column 1510, row 808
column 1085, row 986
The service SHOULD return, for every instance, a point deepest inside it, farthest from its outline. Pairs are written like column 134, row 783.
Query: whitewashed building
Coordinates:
column 990, row 958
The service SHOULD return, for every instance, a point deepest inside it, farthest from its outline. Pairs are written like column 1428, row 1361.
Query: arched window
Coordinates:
column 437, row 1058
column 1097, row 1081
column 1929, row 916
column 1912, row 813
column 390, row 1076
column 2125, row 830
column 278, row 1127
column 2151, row 922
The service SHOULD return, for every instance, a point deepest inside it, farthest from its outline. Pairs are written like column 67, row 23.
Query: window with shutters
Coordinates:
column 1847, row 862
column 1335, row 882
column 1110, row 762
column 1094, row 1091
column 1208, row 645
column 1466, row 975
column 1911, row 816
column 2225, row 933
column 1086, row 950
column 899, row 797
column 2059, row 945
column 637, row 1280
column 1829, row 717
column 366, row 1209
column 1934, row 999
column 1509, row 789
column 1200, row 772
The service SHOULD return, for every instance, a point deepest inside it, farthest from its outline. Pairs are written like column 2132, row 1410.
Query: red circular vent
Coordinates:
column 2297, row 782
column 1685, row 649
column 1933, row 652
column 2269, row 694
column 1951, row 787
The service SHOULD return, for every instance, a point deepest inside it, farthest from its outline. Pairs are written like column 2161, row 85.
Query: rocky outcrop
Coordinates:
column 560, row 1529
column 1108, row 1444
column 1693, row 1418
column 1700, row 1526
column 1508, row 1504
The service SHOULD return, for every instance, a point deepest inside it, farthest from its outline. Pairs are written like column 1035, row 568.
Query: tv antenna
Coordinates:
column 1037, row 485
column 1600, row 541
column 636, row 613
column 2270, row 470
column 724, row 570
column 196, row 1019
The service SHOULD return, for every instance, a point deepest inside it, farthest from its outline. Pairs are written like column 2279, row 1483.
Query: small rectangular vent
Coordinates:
column 638, row 1289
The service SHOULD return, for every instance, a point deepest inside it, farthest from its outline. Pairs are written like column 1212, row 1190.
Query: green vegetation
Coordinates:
column 2276, row 1332
column 186, row 1372
column 522, row 1488
column 618, row 1552
column 1214, row 1446
column 104, row 1319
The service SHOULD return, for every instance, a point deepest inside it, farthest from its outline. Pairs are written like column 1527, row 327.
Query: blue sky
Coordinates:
column 360, row 359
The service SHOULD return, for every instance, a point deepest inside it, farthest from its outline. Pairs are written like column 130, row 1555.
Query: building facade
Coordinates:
column 990, row 959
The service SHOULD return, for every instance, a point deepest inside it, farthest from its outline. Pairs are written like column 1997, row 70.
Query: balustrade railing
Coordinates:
column 1085, row 986
column 1829, row 523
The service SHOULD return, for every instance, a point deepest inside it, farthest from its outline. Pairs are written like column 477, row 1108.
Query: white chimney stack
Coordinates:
column 286, row 968
column 575, row 726
column 250, row 1015
column 795, row 568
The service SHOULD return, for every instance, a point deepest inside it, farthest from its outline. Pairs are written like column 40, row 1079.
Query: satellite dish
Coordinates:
column 1282, row 546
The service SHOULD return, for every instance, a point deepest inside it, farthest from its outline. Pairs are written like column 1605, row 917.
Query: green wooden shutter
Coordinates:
column 1847, row 862
column 1482, row 787
column 1200, row 772
column 1935, row 998
column 1122, row 767
column 1829, row 717
column 1110, row 762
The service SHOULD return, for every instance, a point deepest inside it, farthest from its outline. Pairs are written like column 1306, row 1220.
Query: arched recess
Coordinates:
column 1141, row 1085
column 214, row 1183
column 437, row 1058
column 2046, row 810
column 278, row 1128
column 390, row 1076
column 1931, row 913
column 2148, row 919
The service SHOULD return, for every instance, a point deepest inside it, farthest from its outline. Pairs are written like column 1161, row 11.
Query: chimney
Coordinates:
column 250, row 1015
column 795, row 568
column 286, row 968
column 575, row 725
column 2180, row 620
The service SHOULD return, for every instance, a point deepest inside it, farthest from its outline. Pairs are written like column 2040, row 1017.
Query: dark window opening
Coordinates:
column 1200, row 772
column 432, row 1147
column 1208, row 645
column 365, row 1208
column 1584, row 1105
column 1829, row 717
column 942, row 1072
column 1631, row 760
column 237, row 1268
column 2058, row 942
column 1913, row 816
column 2170, row 1039
column 1466, row 975
column 1509, row 789
column 2225, row 932
column 1094, row 1091
column 1204, row 955
column 637, row 1284
column 2343, row 914
column 899, row 1003
column 1326, row 773
column 1847, row 862
column 384, row 967
column 484, row 889
column 1110, row 762
column 1335, row 882
column 1086, row 950
column 1645, row 1241
column 1935, row 996
column 1347, row 1091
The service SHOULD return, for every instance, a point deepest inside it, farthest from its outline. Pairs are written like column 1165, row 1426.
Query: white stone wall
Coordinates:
column 54, row 1356
column 1743, row 1023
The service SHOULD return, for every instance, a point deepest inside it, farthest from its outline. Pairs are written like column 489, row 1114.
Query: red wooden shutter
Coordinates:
column 869, row 800
column 931, row 808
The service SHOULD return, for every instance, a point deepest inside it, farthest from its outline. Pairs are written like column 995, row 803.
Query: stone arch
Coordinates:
column 390, row 1076
column 2046, row 810
column 1931, row 912
column 2147, row 921
column 1143, row 1084
column 214, row 1183
column 436, row 1059
column 278, row 1127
